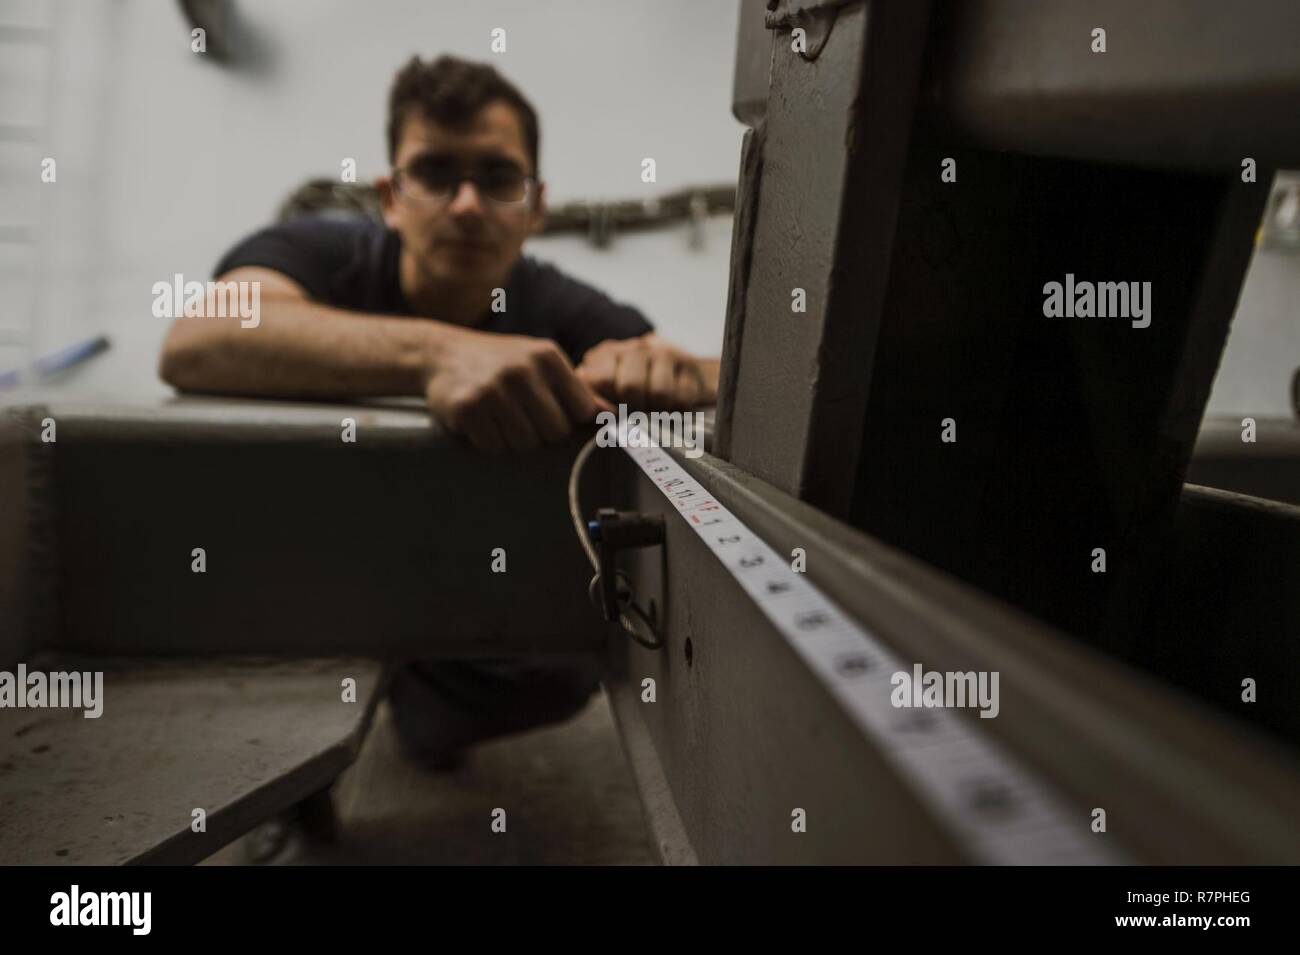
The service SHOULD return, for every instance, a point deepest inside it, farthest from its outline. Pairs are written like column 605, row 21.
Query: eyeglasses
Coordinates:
column 434, row 182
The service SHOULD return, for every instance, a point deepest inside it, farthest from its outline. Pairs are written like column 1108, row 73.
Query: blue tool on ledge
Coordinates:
column 58, row 361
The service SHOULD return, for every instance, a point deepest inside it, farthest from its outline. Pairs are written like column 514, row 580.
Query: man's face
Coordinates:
column 466, row 238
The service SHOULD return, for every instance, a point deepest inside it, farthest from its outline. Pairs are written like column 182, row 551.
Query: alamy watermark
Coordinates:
column 179, row 298
column 55, row 690
column 75, row 907
column 932, row 688
column 1073, row 299
column 663, row 429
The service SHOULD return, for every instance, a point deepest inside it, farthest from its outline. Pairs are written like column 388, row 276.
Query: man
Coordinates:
column 440, row 302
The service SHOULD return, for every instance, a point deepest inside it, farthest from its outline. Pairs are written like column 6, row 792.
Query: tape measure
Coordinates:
column 1000, row 811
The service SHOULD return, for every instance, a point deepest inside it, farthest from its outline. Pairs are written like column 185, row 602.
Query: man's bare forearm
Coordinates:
column 301, row 348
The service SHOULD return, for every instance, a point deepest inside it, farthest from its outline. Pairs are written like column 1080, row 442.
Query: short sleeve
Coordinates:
column 311, row 251
column 583, row 316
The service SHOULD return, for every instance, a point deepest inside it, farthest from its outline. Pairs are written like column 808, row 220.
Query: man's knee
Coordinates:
column 446, row 703
column 555, row 690
column 575, row 684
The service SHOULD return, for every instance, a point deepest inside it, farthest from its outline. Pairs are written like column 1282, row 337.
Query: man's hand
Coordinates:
column 649, row 374
column 507, row 391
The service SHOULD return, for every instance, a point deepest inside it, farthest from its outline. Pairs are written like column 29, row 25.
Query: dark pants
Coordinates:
column 443, row 706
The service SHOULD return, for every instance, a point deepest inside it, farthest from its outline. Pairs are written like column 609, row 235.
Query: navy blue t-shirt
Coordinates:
column 353, row 264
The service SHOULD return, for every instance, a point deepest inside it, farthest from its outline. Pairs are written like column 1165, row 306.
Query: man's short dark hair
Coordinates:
column 451, row 92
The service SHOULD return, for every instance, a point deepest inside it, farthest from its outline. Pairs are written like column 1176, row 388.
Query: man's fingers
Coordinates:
column 594, row 391
column 631, row 378
column 518, row 431
column 598, row 367
column 689, row 385
column 535, row 395
column 477, row 425
column 662, row 394
column 598, row 401
column 574, row 391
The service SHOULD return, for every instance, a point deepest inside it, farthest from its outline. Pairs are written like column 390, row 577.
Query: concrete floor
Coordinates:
column 567, row 791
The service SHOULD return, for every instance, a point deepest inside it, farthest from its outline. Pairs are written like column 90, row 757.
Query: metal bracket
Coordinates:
column 815, row 17
column 611, row 532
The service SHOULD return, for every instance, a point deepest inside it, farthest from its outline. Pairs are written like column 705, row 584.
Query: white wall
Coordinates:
column 165, row 159
column 1263, row 350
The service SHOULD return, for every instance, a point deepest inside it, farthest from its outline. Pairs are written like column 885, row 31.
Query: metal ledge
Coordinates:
column 744, row 731
column 241, row 740
column 1269, row 467
column 1183, row 83
column 381, row 548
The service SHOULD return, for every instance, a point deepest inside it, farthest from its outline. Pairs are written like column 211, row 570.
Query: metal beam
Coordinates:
column 381, row 548
column 833, row 142
column 1194, row 84
column 744, row 732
